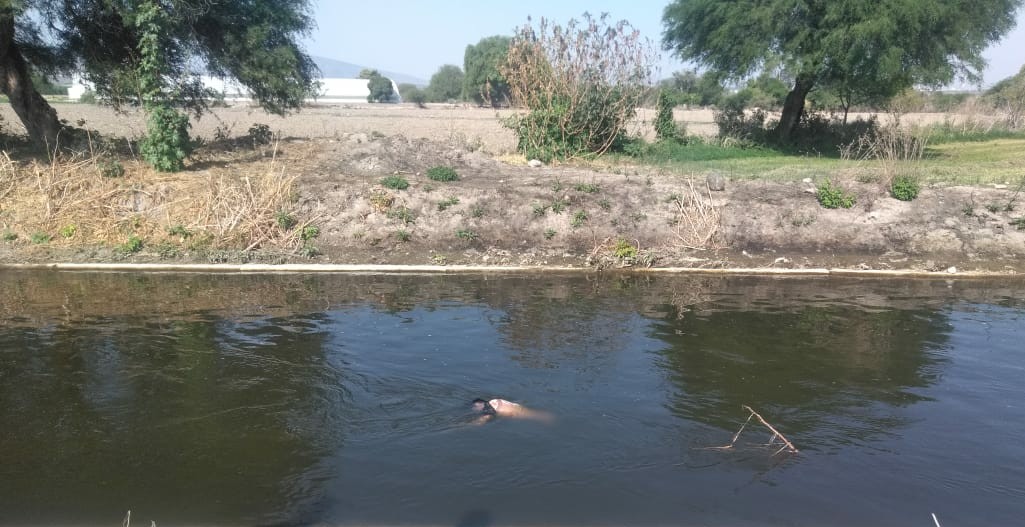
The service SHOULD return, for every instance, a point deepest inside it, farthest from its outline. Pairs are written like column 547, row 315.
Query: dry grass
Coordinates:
column 69, row 199
column 698, row 221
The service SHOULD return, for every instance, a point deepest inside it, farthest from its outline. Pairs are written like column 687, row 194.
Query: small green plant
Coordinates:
column 605, row 204
column 540, row 210
column 579, row 218
column 403, row 235
column 439, row 259
column 446, row 203
column 89, row 97
column 993, row 207
column 111, row 168
column 665, row 125
column 309, row 232
column 466, row 234
column 9, row 236
column 260, row 134
column 168, row 250
column 402, row 214
column 285, row 220
column 40, row 238
column 557, row 186
column 478, row 211
column 558, row 206
column 549, row 234
column 833, row 197
column 623, row 249
column 441, row 173
column 589, row 188
column 968, row 210
column 1018, row 223
column 131, row 246
column 68, row 231
column 167, row 143
column 309, row 251
column 428, row 188
column 395, row 182
column 904, row 188
column 180, row 231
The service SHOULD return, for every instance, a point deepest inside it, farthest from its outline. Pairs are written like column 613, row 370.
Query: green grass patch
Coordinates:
column 395, row 182
column 442, row 174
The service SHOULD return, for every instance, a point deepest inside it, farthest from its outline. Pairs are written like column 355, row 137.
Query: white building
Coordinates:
column 331, row 91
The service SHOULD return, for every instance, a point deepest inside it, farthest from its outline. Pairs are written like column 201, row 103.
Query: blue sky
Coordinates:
column 416, row 37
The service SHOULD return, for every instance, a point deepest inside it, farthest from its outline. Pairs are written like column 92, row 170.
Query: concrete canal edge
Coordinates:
column 452, row 269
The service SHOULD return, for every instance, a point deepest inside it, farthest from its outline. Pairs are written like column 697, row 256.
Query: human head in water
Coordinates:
column 482, row 406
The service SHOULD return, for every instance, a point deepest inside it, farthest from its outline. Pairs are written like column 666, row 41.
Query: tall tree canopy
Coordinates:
column 854, row 45
column 255, row 42
column 446, row 84
column 482, row 81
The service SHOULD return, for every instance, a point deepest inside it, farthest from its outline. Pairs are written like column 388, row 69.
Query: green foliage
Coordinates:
column 403, row 235
column 448, row 202
column 540, row 210
column 111, row 168
column 309, row 232
column 446, row 84
column 687, row 87
column 904, row 187
column 665, row 124
column 833, row 197
column 581, row 85
column 285, row 220
column 412, row 93
column 478, row 211
column 623, row 249
column 1018, row 223
column 482, row 81
column 579, row 218
column 466, row 234
column 368, row 73
column 167, row 143
column 181, row 231
column 45, row 86
column 395, row 182
column 131, row 246
column 40, row 238
column 68, row 231
column 558, row 206
column 442, row 173
column 549, row 234
column 260, row 134
column 860, row 48
column 88, row 97
column 589, row 188
column 381, row 89
column 1008, row 97
column 605, row 204
column 9, row 236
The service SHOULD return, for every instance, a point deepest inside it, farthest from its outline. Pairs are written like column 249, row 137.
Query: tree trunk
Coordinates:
column 793, row 107
column 39, row 118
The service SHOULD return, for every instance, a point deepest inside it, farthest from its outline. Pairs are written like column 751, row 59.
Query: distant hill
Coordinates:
column 346, row 70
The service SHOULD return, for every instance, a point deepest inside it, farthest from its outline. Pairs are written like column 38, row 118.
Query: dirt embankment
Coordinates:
column 501, row 213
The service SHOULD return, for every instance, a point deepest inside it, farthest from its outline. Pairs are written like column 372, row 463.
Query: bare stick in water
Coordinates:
column 787, row 445
column 935, row 520
column 127, row 522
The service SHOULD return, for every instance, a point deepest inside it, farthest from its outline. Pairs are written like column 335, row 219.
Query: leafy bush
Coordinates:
column 39, row 238
column 309, row 232
column 167, row 143
column 734, row 122
column 466, row 234
column 665, row 124
column 285, row 220
column 580, row 84
column 904, row 188
column 623, row 249
column 589, row 188
column 133, row 245
column 579, row 218
column 111, row 168
column 441, row 173
column 260, row 134
column 833, row 197
column 395, row 182
column 380, row 89
column 9, row 236
column 68, row 231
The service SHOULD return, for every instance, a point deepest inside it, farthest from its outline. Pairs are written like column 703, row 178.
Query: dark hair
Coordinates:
column 488, row 409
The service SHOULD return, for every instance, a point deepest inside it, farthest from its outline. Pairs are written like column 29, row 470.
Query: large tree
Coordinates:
column 446, row 84
column 482, row 81
column 255, row 42
column 857, row 45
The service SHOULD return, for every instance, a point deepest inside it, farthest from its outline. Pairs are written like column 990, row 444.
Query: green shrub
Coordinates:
column 179, row 230
column 403, row 235
column 40, row 238
column 111, row 168
column 558, row 206
column 478, row 211
column 665, row 124
column 540, row 210
column 402, row 214
column 260, row 134
column 623, row 249
column 466, row 234
column 442, row 174
column 589, row 188
column 549, row 234
column 68, row 231
column 285, row 220
column 133, row 245
column 395, row 182
column 833, row 197
column 309, row 232
column 446, row 203
column 9, row 236
column 167, row 143
column 904, row 188
column 579, row 218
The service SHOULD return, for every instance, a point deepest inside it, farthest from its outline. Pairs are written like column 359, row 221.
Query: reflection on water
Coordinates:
column 235, row 399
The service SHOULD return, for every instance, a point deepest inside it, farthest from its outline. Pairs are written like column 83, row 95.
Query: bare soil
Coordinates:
column 503, row 212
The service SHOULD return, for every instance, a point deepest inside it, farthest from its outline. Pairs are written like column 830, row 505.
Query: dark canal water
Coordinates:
column 344, row 399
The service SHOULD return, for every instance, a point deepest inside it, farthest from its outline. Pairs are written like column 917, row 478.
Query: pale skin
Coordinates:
column 503, row 408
